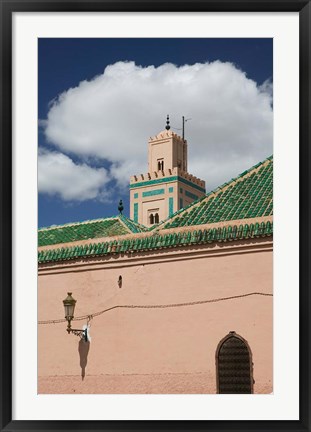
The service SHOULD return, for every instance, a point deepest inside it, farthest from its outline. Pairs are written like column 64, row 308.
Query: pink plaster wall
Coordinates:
column 161, row 350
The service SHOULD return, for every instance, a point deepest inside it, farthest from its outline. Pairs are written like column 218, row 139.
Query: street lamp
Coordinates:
column 69, row 305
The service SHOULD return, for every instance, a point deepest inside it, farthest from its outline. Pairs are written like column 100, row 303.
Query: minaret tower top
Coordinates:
column 167, row 150
column 167, row 187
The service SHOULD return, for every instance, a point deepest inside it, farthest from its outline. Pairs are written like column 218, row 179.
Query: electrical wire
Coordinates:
column 170, row 305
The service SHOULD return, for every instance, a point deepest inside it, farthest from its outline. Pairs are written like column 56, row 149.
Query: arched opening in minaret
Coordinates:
column 156, row 218
column 160, row 164
column 151, row 219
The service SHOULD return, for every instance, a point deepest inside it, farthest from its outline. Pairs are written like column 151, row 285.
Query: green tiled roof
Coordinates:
column 157, row 241
column 250, row 195
column 134, row 227
column 118, row 225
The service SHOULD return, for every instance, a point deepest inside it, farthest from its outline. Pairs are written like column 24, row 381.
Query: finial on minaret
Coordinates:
column 168, row 127
column 120, row 207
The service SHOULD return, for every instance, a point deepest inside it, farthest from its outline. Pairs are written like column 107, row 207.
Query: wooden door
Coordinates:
column 234, row 367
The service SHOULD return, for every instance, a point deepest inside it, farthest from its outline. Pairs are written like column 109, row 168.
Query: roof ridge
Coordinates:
column 130, row 221
column 75, row 223
column 243, row 174
column 215, row 191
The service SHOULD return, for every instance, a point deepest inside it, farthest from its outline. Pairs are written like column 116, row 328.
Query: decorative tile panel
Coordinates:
column 136, row 212
column 170, row 206
column 153, row 192
column 191, row 195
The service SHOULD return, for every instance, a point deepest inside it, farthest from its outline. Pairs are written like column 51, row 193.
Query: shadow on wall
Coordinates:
column 84, row 348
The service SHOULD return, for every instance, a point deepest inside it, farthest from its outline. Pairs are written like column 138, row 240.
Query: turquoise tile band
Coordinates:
column 167, row 180
column 171, row 206
column 191, row 195
column 136, row 212
column 153, row 192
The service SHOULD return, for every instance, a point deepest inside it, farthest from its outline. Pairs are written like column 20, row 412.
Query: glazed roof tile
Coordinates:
column 250, row 195
column 158, row 241
column 134, row 227
column 109, row 227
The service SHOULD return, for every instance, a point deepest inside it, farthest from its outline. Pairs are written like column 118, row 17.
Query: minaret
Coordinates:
column 167, row 187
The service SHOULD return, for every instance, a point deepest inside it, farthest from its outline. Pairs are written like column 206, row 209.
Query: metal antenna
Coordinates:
column 183, row 126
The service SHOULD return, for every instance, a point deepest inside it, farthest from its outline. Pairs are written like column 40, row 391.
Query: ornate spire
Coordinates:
column 120, row 207
column 168, row 127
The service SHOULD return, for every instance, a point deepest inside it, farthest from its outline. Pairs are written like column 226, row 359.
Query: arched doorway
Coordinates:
column 234, row 367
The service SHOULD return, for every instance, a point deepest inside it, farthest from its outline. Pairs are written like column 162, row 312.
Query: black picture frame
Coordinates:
column 7, row 9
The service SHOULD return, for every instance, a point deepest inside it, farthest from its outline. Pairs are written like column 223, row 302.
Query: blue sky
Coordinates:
column 115, row 94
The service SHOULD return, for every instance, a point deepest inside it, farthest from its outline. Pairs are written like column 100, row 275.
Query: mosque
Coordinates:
column 176, row 299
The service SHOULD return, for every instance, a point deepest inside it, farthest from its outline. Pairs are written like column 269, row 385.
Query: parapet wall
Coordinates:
column 156, row 175
column 167, row 134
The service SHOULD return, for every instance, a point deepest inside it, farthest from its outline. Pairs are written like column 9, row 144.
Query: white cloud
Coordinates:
column 267, row 87
column 42, row 123
column 59, row 175
column 112, row 116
